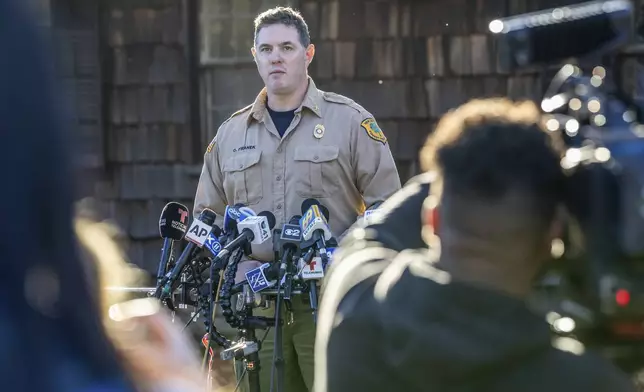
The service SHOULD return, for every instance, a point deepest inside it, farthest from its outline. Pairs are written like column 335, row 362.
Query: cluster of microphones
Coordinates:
column 303, row 249
column 303, row 246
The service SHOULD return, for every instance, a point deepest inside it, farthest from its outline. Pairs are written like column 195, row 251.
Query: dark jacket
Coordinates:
column 393, row 322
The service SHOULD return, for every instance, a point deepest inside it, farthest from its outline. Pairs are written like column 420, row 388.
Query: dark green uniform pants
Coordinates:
column 298, row 339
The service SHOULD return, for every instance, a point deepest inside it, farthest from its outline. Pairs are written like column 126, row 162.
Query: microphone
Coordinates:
column 172, row 227
column 196, row 235
column 257, row 229
column 235, row 214
column 173, row 220
column 288, row 244
column 212, row 243
column 262, row 277
column 289, row 237
column 253, row 229
column 372, row 213
column 312, row 271
column 314, row 220
column 315, row 227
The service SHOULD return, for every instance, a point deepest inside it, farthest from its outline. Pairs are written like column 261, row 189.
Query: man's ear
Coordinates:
column 309, row 53
column 253, row 52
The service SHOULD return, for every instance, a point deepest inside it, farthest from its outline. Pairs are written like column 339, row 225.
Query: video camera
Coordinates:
column 594, row 288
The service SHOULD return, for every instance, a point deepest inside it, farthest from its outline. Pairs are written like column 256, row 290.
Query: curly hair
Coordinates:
column 487, row 148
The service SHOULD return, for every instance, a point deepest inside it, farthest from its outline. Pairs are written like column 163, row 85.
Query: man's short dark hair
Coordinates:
column 286, row 16
column 488, row 148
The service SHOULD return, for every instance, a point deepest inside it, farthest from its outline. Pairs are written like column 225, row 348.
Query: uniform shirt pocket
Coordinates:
column 316, row 170
column 243, row 177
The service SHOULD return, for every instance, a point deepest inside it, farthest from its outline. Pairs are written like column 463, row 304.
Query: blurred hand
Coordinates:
column 159, row 355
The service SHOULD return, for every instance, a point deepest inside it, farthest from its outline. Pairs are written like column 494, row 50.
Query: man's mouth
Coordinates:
column 277, row 72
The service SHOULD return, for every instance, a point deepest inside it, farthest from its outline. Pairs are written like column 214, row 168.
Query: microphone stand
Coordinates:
column 166, row 255
column 213, row 335
column 312, row 285
column 252, row 345
column 278, row 349
column 248, row 346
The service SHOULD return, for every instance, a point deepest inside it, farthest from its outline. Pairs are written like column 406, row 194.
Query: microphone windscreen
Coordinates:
column 295, row 220
column 216, row 231
column 173, row 221
column 325, row 212
column 270, row 217
column 207, row 216
column 306, row 204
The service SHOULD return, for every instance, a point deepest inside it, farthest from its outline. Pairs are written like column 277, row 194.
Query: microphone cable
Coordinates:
column 285, row 261
column 213, row 334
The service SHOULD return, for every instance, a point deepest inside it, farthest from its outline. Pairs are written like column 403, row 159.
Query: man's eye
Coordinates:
column 287, row 48
column 265, row 49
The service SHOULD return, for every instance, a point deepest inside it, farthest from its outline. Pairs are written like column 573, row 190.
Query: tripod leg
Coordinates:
column 279, row 359
column 239, row 372
column 277, row 367
column 252, row 368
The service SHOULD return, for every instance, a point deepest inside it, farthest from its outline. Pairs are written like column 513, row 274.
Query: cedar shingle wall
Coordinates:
column 74, row 38
column 406, row 61
column 147, row 118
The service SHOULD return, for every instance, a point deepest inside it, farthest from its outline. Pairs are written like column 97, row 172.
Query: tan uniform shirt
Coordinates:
column 333, row 151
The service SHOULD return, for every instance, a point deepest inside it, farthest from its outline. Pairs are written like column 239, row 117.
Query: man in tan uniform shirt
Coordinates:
column 333, row 150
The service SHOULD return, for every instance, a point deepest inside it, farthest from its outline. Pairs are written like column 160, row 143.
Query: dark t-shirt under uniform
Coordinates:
column 282, row 120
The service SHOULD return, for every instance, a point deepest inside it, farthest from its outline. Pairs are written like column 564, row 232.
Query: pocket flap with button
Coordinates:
column 241, row 161
column 316, row 154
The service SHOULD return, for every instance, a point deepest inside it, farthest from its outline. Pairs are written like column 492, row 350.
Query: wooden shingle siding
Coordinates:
column 148, row 141
column 125, row 69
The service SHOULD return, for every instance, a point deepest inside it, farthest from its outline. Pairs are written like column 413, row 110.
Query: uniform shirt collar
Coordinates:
column 311, row 101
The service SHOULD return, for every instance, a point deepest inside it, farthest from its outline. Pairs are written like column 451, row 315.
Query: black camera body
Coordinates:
column 594, row 288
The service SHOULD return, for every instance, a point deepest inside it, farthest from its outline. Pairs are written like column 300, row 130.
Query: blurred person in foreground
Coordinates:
column 51, row 332
column 453, row 317
column 153, row 349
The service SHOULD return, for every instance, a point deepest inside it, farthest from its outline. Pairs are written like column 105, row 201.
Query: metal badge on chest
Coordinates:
column 318, row 132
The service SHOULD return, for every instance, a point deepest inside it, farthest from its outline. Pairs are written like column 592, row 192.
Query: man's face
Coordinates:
column 281, row 59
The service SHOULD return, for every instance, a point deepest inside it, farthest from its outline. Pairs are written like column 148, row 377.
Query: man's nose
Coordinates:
column 276, row 56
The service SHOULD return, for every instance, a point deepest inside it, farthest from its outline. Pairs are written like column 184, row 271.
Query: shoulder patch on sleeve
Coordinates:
column 341, row 99
column 211, row 146
column 373, row 130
